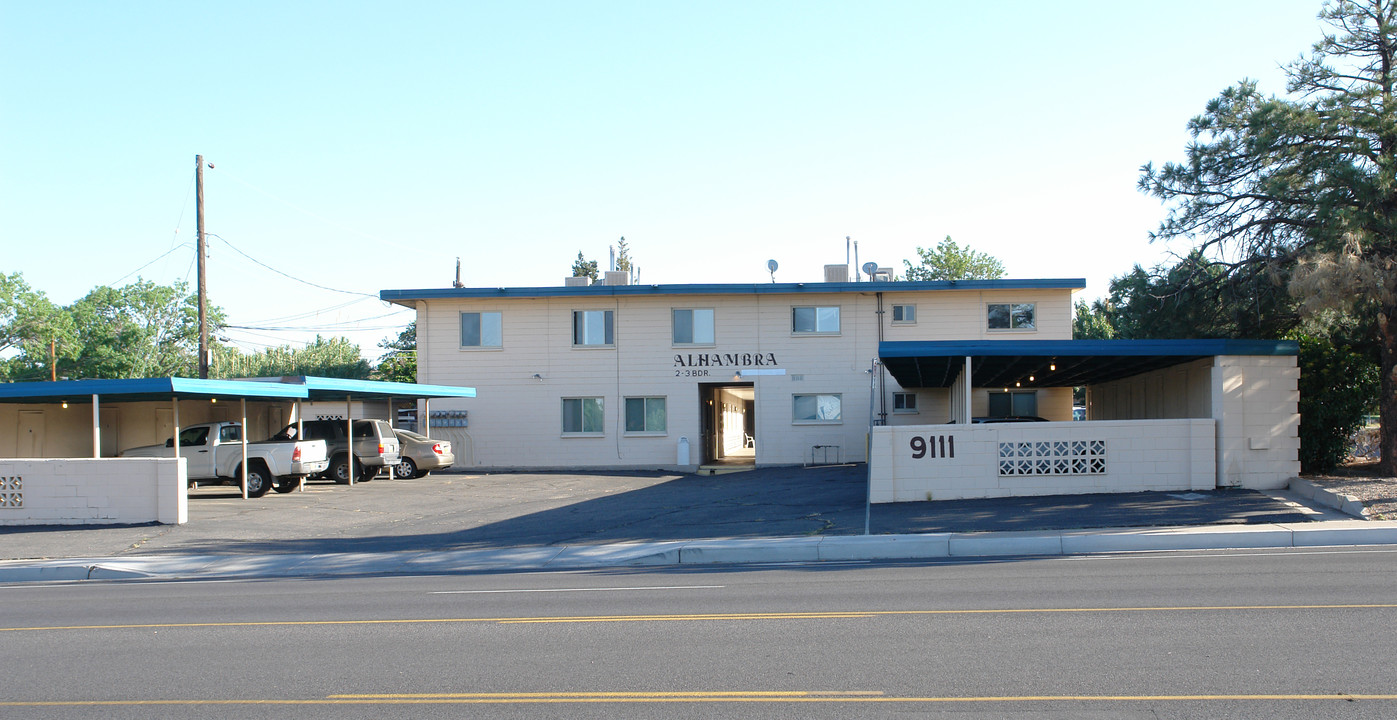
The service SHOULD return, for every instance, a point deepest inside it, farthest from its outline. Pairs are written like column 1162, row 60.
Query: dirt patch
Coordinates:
column 1363, row 480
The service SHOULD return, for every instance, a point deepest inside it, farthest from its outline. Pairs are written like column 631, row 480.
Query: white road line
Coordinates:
column 556, row 590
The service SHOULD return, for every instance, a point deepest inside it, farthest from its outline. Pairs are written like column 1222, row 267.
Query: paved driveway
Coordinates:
column 453, row 511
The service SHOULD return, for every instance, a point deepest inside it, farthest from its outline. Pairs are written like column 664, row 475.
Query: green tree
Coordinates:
column 140, row 330
column 623, row 255
column 584, row 267
column 1306, row 182
column 1337, row 388
column 399, row 362
column 30, row 326
column 949, row 261
column 325, row 357
column 1092, row 322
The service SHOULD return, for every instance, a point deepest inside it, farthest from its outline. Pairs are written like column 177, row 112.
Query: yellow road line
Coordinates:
column 710, row 616
column 698, row 697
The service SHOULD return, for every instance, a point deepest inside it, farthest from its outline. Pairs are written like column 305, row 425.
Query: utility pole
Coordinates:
column 201, row 249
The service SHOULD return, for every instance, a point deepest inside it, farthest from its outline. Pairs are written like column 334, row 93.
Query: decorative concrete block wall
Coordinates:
column 86, row 491
column 949, row 462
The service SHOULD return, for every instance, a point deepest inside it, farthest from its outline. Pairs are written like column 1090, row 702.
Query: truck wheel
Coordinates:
column 339, row 470
column 406, row 469
column 259, row 481
column 285, row 484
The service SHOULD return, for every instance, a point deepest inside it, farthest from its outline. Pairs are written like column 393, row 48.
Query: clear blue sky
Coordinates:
column 365, row 146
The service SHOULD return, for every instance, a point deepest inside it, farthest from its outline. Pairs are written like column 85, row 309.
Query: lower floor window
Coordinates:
column 816, row 408
column 582, row 415
column 645, row 415
column 1013, row 404
column 905, row 402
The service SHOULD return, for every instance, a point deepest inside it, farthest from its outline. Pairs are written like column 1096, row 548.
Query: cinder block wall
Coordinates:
column 949, row 462
column 1256, row 403
column 86, row 491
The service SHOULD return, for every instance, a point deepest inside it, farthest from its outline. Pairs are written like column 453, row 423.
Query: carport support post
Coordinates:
column 242, row 430
column 393, row 420
column 427, row 417
column 175, row 401
column 300, row 435
column 968, row 383
column 349, row 434
column 96, row 429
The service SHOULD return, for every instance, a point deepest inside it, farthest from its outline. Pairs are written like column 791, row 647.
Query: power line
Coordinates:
column 152, row 262
column 287, row 275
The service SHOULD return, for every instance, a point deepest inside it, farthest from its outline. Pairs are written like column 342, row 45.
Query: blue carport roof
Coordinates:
column 1007, row 363
column 278, row 388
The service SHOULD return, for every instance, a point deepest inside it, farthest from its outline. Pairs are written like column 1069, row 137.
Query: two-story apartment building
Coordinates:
column 650, row 376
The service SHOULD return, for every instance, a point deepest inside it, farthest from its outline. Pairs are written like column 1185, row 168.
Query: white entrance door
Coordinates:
column 111, row 432
column 30, row 443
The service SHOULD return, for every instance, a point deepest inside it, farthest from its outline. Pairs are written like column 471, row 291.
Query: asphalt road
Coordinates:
column 1239, row 634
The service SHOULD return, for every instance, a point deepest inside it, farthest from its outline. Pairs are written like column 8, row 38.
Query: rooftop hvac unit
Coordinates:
column 617, row 277
column 836, row 273
column 884, row 274
column 582, row 281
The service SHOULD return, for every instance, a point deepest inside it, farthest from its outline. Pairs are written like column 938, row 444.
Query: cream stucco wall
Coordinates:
column 515, row 418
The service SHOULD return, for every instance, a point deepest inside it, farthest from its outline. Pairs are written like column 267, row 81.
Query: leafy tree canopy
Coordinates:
column 949, row 261
column 1304, row 187
column 326, row 357
column 399, row 361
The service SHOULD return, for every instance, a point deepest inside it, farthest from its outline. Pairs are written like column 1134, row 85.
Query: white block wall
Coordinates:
column 1141, row 455
column 85, row 491
column 1256, row 401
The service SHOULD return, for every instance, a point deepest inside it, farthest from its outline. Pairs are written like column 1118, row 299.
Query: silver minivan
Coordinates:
column 375, row 447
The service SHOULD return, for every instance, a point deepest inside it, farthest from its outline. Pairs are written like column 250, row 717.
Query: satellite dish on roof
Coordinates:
column 771, row 268
column 870, row 269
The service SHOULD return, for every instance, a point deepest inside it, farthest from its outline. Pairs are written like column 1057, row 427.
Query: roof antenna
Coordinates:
column 458, row 274
column 771, row 268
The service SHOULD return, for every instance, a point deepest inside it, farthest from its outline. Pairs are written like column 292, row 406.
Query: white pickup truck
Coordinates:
column 214, row 452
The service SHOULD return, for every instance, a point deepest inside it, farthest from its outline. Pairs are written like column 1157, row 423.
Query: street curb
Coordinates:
column 1346, row 504
column 928, row 546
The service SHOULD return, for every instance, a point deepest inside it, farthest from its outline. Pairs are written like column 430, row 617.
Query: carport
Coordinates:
column 29, row 410
column 1163, row 415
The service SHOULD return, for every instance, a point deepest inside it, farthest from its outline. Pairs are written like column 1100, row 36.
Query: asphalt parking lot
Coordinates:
column 458, row 510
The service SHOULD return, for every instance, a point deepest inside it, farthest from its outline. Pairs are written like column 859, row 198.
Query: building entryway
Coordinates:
column 728, row 424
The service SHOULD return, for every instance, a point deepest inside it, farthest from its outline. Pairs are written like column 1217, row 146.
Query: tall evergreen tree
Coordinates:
column 1305, row 183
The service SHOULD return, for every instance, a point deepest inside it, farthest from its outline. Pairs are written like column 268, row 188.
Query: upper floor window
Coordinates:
column 693, row 326
column 815, row 320
column 482, row 329
column 593, row 328
column 1011, row 316
column 906, row 314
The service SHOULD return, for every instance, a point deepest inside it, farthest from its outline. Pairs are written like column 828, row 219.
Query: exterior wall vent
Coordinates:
column 837, row 273
column 616, row 277
column 582, row 281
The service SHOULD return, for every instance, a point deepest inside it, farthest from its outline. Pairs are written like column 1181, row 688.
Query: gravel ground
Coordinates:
column 1361, row 480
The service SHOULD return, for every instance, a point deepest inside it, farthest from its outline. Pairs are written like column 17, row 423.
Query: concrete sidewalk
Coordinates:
column 457, row 522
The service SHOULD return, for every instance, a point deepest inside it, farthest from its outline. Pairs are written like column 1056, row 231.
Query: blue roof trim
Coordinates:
column 346, row 386
column 1085, row 348
column 293, row 388
column 401, row 296
column 168, row 386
